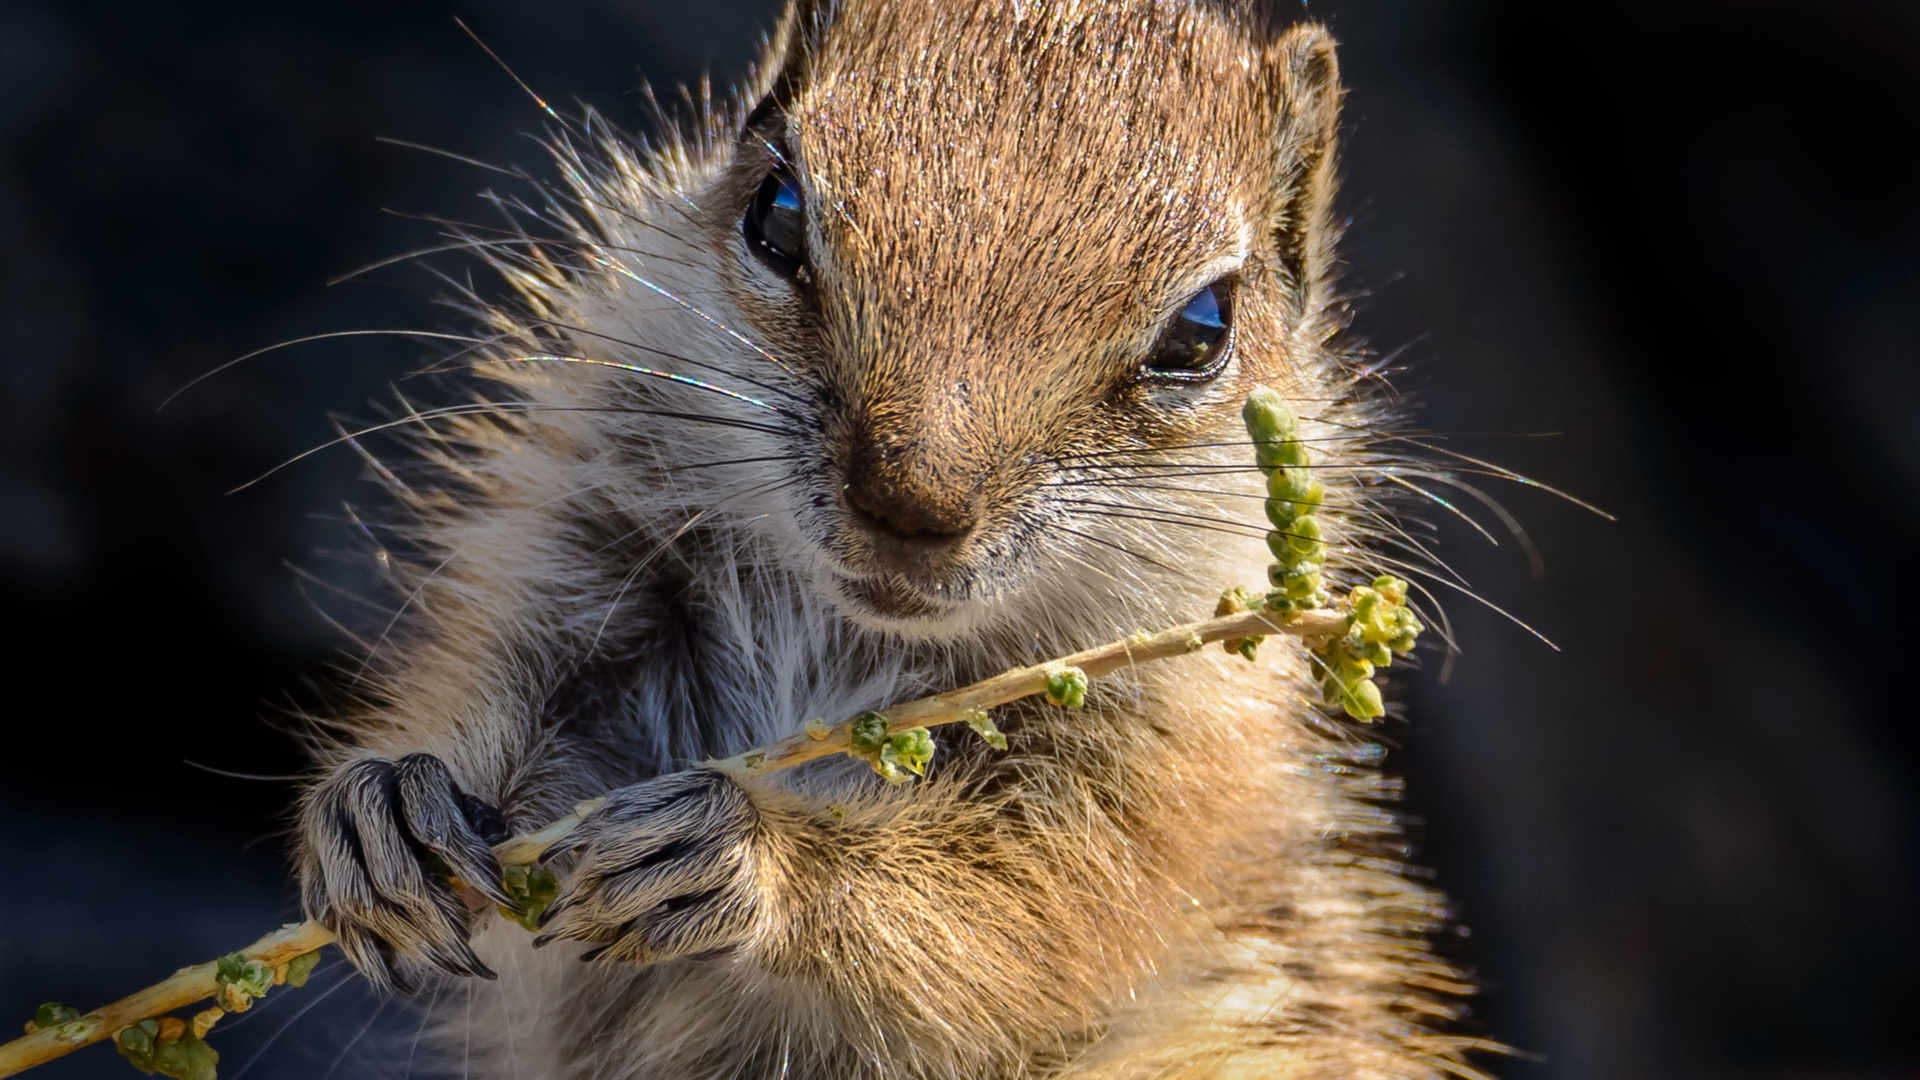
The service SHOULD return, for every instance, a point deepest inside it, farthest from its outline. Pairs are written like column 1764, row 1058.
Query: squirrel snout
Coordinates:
column 905, row 507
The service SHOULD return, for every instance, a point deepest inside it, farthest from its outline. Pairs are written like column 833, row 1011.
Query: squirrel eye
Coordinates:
column 776, row 224
column 1194, row 346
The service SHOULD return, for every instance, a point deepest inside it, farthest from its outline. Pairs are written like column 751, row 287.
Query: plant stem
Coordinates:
column 197, row 983
column 953, row 706
column 182, row 988
column 193, row 984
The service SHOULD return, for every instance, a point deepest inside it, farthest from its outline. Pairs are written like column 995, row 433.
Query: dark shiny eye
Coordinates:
column 1194, row 346
column 776, row 224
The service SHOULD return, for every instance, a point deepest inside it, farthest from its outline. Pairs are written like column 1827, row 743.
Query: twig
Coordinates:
column 190, row 985
column 198, row 983
column 954, row 705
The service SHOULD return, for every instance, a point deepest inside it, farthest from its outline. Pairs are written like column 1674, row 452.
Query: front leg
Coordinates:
column 667, row 869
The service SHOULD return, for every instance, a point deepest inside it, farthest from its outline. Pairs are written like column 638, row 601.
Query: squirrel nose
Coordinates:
column 894, row 501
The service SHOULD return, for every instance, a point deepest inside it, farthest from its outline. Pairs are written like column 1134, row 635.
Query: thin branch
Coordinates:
column 190, row 985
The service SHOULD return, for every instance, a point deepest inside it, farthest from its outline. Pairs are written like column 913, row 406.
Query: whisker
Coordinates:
column 1512, row 523
column 344, row 980
column 1168, row 516
column 617, row 267
column 1509, row 474
column 470, row 244
column 630, row 344
column 198, row 379
column 1412, row 569
column 355, row 1041
column 487, row 408
column 510, row 238
column 1120, row 483
column 728, row 461
column 1126, row 551
column 511, row 74
column 1062, row 459
column 514, row 172
column 1400, row 481
column 684, row 380
column 1198, row 468
column 425, row 1016
column 190, row 763
column 1246, row 532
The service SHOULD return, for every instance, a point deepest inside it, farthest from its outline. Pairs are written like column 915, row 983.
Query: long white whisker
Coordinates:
column 344, row 980
column 355, row 1041
column 491, row 407
column 203, row 377
column 684, row 380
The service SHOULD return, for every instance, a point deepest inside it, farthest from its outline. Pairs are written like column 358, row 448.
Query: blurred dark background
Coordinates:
column 1665, row 255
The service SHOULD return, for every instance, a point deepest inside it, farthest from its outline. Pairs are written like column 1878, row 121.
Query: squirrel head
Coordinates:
column 988, row 251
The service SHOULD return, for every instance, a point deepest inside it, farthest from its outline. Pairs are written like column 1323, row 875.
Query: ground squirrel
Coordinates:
column 920, row 360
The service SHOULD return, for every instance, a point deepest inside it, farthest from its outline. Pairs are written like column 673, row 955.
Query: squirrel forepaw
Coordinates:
column 382, row 838
column 666, row 869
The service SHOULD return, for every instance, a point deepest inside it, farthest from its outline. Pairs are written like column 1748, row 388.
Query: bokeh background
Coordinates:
column 1664, row 255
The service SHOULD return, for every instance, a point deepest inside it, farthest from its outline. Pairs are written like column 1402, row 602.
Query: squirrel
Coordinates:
column 920, row 359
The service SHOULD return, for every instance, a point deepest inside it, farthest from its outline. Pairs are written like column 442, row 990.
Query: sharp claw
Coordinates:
column 487, row 880
column 457, row 958
column 400, row 984
column 594, row 954
column 553, row 909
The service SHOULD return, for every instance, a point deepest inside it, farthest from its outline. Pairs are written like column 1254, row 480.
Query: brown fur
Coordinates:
column 1192, row 877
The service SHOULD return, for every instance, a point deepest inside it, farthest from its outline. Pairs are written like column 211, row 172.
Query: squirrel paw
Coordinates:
column 381, row 837
column 666, row 869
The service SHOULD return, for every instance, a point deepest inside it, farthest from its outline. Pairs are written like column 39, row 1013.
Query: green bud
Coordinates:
column 201, row 1061
column 136, row 1043
column 53, row 1014
column 1295, row 488
column 1282, row 549
column 170, row 1057
column 302, row 966
column 911, row 749
column 1067, row 687
column 240, row 980
column 982, row 724
column 1248, row 647
column 1375, row 653
column 185, row 1058
column 867, row 734
column 1362, row 701
column 1351, row 668
column 1272, row 426
column 534, row 887
column 1305, row 540
column 1297, row 588
column 1281, row 515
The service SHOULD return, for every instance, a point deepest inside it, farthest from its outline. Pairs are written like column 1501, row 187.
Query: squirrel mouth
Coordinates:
column 891, row 596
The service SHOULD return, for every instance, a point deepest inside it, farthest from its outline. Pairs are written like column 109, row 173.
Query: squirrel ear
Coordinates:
column 1305, row 79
